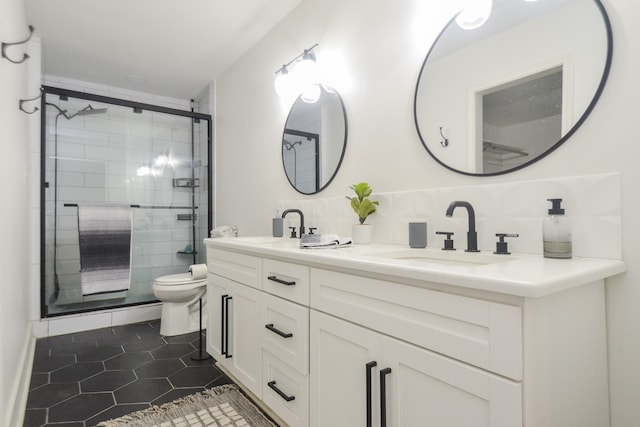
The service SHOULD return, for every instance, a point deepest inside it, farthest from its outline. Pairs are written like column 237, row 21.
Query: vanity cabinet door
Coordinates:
column 340, row 352
column 234, row 334
column 245, row 351
column 426, row 389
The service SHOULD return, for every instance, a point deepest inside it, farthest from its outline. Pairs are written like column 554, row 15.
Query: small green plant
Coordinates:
column 361, row 204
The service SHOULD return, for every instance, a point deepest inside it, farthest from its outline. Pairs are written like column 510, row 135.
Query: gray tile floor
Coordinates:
column 81, row 379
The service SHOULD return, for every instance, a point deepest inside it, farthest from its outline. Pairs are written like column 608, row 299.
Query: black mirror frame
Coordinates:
column 574, row 128
column 344, row 146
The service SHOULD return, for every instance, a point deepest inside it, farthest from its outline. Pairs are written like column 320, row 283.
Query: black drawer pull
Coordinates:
column 272, row 386
column 383, row 396
column 277, row 331
column 283, row 282
column 369, row 367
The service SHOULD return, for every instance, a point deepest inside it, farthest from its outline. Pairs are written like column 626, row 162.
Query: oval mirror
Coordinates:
column 314, row 139
column 497, row 98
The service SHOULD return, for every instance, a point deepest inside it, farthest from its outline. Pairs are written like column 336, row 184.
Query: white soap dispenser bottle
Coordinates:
column 556, row 232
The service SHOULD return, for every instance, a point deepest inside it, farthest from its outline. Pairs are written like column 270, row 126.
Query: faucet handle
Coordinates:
column 312, row 229
column 501, row 245
column 293, row 232
column 448, row 242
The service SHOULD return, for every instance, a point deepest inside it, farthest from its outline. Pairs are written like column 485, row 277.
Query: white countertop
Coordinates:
column 523, row 275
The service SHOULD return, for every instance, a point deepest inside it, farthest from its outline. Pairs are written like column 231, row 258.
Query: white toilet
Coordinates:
column 179, row 295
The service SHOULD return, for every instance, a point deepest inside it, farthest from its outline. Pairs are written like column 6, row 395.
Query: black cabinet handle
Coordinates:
column 383, row 396
column 283, row 282
column 223, row 350
column 369, row 366
column 272, row 386
column 226, row 327
column 277, row 331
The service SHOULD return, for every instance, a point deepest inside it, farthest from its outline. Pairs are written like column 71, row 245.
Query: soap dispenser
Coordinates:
column 277, row 224
column 556, row 232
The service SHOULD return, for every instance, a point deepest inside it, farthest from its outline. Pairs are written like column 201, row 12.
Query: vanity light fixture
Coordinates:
column 295, row 80
column 474, row 14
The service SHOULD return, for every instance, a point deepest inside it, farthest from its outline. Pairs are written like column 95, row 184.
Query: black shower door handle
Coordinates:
column 383, row 396
column 369, row 368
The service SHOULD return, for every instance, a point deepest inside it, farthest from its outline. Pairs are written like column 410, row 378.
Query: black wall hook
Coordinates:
column 445, row 141
column 22, row 101
column 25, row 56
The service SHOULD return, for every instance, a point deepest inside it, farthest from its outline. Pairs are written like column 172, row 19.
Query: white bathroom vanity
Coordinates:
column 384, row 335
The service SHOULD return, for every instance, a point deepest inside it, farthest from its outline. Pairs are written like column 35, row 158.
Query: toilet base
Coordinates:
column 180, row 318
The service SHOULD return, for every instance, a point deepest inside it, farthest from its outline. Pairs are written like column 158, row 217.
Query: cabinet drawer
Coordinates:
column 286, row 331
column 479, row 332
column 289, row 281
column 285, row 391
column 241, row 268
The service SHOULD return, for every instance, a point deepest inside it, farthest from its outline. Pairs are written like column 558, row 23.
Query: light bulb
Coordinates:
column 283, row 82
column 307, row 70
column 474, row 14
column 311, row 94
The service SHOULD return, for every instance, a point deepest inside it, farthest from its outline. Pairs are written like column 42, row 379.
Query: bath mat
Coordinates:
column 220, row 406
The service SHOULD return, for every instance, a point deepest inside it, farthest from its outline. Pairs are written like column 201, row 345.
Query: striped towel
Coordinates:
column 105, row 248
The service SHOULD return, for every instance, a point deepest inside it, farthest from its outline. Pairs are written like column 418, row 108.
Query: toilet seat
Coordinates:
column 181, row 279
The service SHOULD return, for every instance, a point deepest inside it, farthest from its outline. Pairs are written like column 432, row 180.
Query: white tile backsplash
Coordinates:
column 592, row 202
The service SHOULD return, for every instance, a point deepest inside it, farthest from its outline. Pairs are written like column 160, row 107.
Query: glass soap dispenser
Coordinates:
column 556, row 232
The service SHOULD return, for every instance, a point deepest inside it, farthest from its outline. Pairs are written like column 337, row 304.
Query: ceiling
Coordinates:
column 172, row 48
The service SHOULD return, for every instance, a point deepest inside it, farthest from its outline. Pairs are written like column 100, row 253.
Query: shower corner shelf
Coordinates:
column 186, row 253
column 186, row 182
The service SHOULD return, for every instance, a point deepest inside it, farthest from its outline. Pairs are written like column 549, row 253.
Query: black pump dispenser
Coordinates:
column 555, row 207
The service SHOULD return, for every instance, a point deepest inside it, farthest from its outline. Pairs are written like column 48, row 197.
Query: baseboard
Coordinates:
column 17, row 403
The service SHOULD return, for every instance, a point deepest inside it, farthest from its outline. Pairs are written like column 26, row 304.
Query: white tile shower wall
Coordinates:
column 592, row 202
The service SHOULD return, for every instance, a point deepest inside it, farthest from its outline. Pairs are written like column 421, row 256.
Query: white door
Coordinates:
column 340, row 357
column 425, row 388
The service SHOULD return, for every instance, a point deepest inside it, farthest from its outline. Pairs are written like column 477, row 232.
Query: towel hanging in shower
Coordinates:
column 105, row 248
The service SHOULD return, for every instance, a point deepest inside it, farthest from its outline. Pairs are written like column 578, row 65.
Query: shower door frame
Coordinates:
column 44, row 184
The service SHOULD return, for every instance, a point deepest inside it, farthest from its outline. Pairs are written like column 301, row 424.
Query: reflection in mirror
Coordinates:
column 511, row 91
column 314, row 140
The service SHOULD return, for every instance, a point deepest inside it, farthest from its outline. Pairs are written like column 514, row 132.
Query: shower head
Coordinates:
column 89, row 110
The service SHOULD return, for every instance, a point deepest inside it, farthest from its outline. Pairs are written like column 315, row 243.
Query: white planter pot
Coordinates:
column 361, row 234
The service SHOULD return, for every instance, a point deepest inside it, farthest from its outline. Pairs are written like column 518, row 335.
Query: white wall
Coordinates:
column 375, row 51
column 17, row 129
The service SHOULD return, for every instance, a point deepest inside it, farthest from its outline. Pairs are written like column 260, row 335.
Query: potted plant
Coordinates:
column 363, row 207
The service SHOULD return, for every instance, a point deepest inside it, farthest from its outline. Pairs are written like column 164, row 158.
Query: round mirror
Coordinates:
column 499, row 97
column 314, row 139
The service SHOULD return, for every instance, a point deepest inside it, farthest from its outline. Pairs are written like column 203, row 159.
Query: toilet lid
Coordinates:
column 177, row 279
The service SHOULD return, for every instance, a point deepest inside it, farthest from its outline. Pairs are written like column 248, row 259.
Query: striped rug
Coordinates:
column 220, row 406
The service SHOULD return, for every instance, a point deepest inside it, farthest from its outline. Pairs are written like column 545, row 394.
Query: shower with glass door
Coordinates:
column 126, row 197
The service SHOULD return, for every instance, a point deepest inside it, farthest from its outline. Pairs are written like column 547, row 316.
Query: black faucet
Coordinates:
column 472, row 236
column 299, row 212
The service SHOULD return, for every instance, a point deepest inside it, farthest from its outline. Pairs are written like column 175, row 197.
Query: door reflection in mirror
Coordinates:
column 520, row 119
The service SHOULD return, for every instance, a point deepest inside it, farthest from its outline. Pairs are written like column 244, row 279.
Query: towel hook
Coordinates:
column 445, row 141
column 22, row 101
column 25, row 56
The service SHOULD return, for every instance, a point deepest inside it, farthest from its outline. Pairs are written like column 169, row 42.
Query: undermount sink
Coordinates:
column 431, row 256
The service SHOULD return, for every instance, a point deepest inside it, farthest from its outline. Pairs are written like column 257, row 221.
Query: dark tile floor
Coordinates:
column 81, row 379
